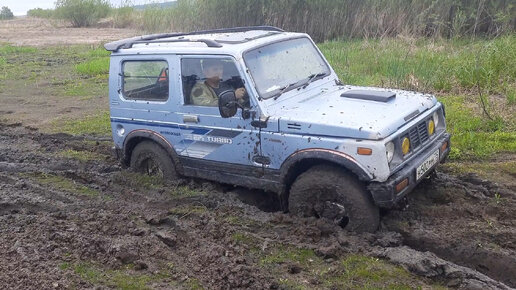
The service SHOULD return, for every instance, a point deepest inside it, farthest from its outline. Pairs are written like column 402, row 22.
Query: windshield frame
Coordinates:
column 296, row 85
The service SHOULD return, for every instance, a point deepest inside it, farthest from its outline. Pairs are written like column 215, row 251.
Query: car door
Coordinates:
column 210, row 142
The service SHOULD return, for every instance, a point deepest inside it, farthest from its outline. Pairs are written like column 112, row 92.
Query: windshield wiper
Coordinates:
column 312, row 78
column 283, row 89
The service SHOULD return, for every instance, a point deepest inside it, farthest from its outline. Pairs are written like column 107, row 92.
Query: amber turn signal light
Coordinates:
column 444, row 146
column 402, row 185
column 364, row 151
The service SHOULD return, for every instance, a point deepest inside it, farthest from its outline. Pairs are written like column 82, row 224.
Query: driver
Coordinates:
column 206, row 93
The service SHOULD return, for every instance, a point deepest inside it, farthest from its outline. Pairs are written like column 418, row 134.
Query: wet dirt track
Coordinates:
column 466, row 224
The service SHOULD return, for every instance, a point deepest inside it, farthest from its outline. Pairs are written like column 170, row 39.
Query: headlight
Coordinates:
column 431, row 127
column 436, row 118
column 405, row 145
column 389, row 150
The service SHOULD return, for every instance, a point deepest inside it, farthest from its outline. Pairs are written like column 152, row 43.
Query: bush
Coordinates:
column 82, row 13
column 41, row 13
column 123, row 17
column 6, row 13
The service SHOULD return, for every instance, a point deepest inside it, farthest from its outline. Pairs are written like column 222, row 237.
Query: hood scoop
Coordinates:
column 377, row 96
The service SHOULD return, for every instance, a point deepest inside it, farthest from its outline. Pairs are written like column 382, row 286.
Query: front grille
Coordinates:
column 418, row 135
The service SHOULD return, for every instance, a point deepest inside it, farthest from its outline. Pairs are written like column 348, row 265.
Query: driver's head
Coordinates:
column 213, row 69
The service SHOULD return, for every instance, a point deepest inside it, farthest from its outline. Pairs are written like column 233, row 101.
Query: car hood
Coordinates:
column 362, row 112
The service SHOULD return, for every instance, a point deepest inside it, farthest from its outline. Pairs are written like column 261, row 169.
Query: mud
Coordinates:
column 102, row 217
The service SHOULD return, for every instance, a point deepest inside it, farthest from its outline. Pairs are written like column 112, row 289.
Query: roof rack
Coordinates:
column 129, row 42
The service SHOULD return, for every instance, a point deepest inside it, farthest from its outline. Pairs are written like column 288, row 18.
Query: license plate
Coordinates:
column 427, row 164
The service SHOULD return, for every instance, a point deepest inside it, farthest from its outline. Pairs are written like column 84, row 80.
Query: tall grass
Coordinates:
column 428, row 65
column 330, row 19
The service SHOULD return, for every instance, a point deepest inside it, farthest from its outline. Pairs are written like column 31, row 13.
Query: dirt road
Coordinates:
column 42, row 32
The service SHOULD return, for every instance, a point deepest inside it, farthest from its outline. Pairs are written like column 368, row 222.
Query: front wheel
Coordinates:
column 151, row 159
column 326, row 191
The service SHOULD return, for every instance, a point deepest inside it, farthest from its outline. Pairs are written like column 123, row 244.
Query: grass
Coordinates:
column 83, row 156
column 63, row 183
column 120, row 279
column 97, row 124
column 475, row 136
column 427, row 65
column 96, row 67
column 282, row 254
column 362, row 272
column 6, row 49
column 143, row 182
column 354, row 271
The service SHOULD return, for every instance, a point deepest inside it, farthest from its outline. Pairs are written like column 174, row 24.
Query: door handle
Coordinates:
column 190, row 119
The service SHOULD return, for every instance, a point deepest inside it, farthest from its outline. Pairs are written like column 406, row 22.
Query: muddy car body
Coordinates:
column 329, row 150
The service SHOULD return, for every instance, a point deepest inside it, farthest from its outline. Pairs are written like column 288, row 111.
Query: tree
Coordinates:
column 6, row 13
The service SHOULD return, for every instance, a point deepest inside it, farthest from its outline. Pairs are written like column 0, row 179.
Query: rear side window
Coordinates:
column 145, row 80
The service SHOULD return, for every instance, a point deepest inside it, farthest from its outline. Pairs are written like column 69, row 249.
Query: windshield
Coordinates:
column 285, row 65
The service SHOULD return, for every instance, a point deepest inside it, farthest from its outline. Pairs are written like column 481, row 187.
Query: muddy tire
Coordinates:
column 329, row 192
column 151, row 159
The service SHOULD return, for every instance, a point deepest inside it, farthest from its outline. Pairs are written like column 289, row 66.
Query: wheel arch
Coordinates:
column 302, row 160
column 137, row 136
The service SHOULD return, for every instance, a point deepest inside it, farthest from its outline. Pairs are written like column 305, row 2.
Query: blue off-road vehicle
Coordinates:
column 261, row 108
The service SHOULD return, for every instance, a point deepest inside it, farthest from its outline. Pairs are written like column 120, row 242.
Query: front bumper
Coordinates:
column 384, row 193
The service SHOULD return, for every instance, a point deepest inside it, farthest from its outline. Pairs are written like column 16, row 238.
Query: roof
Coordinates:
column 209, row 38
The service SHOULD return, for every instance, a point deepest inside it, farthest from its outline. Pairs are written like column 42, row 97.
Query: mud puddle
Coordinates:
column 70, row 217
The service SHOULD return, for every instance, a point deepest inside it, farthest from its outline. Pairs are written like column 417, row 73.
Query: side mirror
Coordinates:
column 227, row 104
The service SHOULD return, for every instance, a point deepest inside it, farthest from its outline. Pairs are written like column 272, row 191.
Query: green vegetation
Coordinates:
column 7, row 49
column 6, row 13
column 97, row 124
column 41, row 13
column 352, row 272
column 143, row 182
column 80, row 155
column 322, row 19
column 63, row 183
column 281, row 254
column 120, row 279
column 139, row 181
column 330, row 19
column 82, row 13
column 123, row 16
column 427, row 65
column 475, row 136
column 358, row 271
column 96, row 67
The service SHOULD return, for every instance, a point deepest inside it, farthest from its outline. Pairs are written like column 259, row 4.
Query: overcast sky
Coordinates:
column 20, row 7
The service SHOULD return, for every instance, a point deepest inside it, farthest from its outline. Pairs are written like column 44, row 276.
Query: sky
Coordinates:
column 20, row 7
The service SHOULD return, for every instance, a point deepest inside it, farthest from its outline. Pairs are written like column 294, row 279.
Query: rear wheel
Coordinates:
column 151, row 159
column 326, row 191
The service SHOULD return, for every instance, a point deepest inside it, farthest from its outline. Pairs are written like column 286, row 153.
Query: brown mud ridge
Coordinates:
column 458, row 231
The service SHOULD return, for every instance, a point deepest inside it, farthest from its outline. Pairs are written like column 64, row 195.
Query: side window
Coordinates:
column 204, row 79
column 145, row 80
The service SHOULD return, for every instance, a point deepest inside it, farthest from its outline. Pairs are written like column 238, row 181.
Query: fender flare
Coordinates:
column 328, row 155
column 150, row 135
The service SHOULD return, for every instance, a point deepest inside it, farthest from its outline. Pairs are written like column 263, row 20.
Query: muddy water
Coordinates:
column 100, row 215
